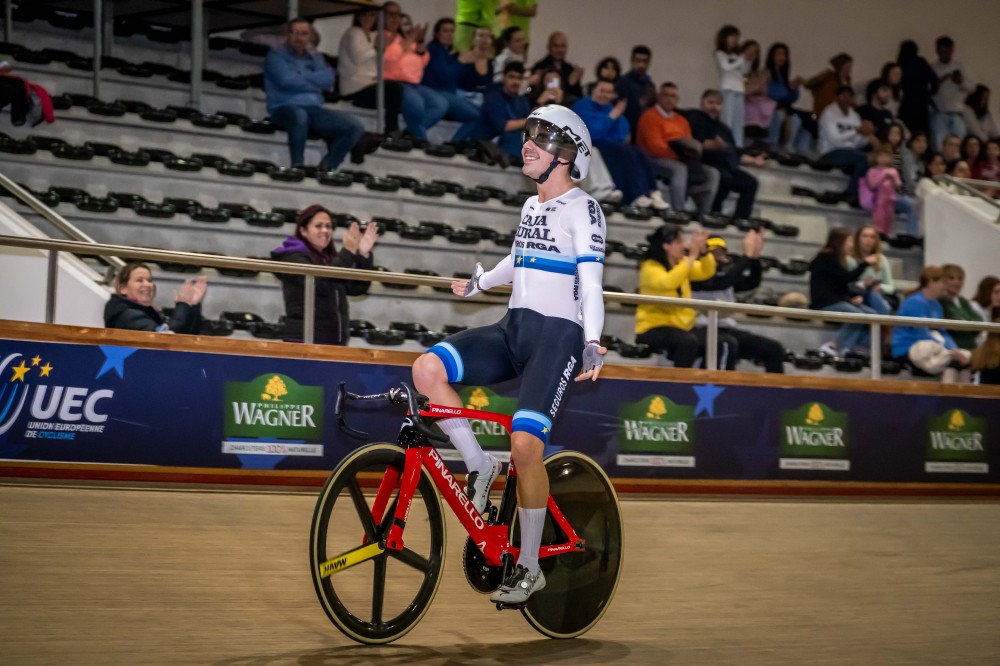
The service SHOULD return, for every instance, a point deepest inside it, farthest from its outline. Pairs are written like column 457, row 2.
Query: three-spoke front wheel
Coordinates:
column 372, row 594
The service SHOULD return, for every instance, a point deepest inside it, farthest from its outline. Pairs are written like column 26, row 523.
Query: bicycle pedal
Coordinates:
column 502, row 606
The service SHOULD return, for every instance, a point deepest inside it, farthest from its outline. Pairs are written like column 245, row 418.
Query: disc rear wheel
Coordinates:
column 579, row 586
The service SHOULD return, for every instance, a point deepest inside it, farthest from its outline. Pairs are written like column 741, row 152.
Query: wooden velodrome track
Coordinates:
column 163, row 575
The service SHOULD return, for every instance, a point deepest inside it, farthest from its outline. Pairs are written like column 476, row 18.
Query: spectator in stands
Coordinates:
column 956, row 306
column 832, row 288
column 876, row 110
column 312, row 243
column 131, row 306
column 919, row 84
column 844, row 137
column 759, row 108
column 513, row 48
column 961, row 170
column 733, row 66
column 662, row 132
column 737, row 275
column 476, row 74
column 548, row 91
column 784, row 90
column 880, row 192
column 471, row 15
column 294, row 81
column 826, row 85
column 951, row 151
column 569, row 74
column 953, row 86
column 441, row 76
column 892, row 76
column 876, row 279
column 608, row 69
column 719, row 152
column 977, row 117
column 911, row 157
column 517, row 14
column 986, row 359
column 356, row 67
column 989, row 167
column 405, row 59
column 933, row 351
column 667, row 270
column 636, row 87
column 986, row 302
column 504, row 112
column 629, row 166
column 972, row 150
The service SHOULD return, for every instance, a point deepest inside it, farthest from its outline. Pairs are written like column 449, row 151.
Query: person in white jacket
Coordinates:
column 953, row 86
column 844, row 139
column 356, row 71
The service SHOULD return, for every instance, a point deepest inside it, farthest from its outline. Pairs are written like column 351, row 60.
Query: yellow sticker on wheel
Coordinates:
column 349, row 559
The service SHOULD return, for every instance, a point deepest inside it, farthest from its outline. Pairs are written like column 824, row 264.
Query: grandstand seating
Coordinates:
column 140, row 167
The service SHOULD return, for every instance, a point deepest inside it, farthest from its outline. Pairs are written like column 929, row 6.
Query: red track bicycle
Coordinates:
column 375, row 585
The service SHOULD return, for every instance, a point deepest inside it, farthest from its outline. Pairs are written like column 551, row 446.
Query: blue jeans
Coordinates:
column 733, row 114
column 944, row 124
column 876, row 301
column 423, row 108
column 798, row 139
column 462, row 110
column 340, row 131
column 852, row 335
column 910, row 207
column 856, row 159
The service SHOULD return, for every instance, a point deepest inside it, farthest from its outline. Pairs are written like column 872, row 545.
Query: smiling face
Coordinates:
column 603, row 93
column 952, row 282
column 139, row 288
column 318, row 232
column 536, row 160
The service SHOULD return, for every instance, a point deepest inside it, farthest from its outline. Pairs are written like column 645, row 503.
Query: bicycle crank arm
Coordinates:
column 349, row 559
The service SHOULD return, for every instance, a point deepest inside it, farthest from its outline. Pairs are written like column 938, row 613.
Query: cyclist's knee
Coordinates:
column 525, row 449
column 428, row 372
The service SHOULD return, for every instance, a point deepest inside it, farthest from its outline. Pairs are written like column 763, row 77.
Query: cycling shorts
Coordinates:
column 543, row 351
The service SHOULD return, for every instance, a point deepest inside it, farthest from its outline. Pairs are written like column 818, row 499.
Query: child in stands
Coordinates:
column 733, row 67
column 878, row 188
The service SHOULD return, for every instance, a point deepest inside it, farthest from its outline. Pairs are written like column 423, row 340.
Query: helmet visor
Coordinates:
column 549, row 138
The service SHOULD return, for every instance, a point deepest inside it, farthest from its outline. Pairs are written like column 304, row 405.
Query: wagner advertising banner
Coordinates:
column 125, row 405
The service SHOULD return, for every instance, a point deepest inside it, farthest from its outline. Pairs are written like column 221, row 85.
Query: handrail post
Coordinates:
column 309, row 324
column 98, row 45
column 876, row 350
column 197, row 51
column 8, row 19
column 50, row 287
column 712, row 341
column 379, row 81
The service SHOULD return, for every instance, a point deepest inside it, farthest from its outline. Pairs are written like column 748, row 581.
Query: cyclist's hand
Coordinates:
column 593, row 361
column 469, row 287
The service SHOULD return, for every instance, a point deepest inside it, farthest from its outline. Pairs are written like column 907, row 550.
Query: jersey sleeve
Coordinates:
column 588, row 230
column 502, row 273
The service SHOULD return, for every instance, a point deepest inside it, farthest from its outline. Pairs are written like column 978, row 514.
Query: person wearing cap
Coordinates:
column 668, row 269
column 550, row 333
column 736, row 275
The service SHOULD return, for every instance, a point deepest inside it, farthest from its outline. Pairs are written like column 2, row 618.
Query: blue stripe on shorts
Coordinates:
column 533, row 423
column 452, row 361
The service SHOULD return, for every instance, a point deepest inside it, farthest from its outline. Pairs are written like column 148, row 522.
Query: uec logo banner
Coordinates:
column 36, row 404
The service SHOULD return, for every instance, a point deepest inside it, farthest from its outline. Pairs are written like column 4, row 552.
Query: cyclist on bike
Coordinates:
column 551, row 331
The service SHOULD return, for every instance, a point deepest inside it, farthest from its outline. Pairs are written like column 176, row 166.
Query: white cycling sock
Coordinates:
column 532, row 521
column 460, row 433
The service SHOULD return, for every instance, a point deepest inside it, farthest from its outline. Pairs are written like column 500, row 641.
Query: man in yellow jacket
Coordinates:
column 668, row 270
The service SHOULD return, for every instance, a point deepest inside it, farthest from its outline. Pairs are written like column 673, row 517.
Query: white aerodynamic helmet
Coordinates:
column 563, row 134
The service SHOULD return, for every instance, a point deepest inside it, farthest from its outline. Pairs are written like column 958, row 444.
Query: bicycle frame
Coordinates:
column 492, row 539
